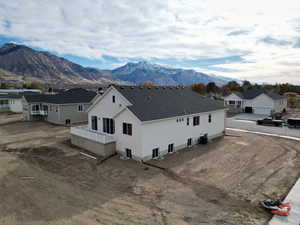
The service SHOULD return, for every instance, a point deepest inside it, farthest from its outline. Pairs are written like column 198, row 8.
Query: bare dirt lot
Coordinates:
column 43, row 180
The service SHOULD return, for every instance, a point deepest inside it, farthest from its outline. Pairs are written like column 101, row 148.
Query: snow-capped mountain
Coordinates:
column 149, row 72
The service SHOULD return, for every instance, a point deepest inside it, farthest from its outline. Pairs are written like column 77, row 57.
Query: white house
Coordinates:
column 148, row 122
column 257, row 101
column 11, row 103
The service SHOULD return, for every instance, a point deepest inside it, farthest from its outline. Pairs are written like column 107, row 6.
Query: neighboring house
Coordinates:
column 257, row 101
column 11, row 100
column 11, row 103
column 64, row 108
column 148, row 122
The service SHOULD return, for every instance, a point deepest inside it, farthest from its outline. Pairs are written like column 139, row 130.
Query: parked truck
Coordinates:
column 293, row 122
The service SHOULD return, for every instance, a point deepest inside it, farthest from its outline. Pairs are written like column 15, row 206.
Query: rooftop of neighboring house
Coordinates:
column 152, row 103
column 254, row 92
column 16, row 91
column 75, row 95
column 17, row 95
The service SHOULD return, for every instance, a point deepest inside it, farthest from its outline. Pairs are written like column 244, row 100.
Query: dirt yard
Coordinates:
column 43, row 180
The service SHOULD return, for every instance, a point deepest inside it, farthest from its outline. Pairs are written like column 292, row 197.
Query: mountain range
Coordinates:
column 21, row 63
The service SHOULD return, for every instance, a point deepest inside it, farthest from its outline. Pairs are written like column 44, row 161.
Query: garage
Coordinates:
column 262, row 111
column 248, row 109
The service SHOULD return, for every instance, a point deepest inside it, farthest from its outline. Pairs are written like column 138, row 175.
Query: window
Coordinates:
column 80, row 108
column 189, row 142
column 155, row 153
column 56, row 109
column 94, row 123
column 231, row 102
column 127, row 128
column 170, row 148
column 128, row 153
column 209, row 118
column 188, row 121
column 35, row 108
column 196, row 120
column 113, row 99
column 108, row 125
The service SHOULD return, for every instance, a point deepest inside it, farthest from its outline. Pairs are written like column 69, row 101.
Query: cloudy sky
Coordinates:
column 258, row 40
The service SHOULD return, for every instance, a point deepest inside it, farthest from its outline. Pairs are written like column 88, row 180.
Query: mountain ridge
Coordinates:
column 22, row 63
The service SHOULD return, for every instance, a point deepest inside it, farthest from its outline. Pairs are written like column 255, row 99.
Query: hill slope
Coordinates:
column 47, row 68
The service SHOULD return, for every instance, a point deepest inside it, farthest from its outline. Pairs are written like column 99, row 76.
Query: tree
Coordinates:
column 147, row 84
column 34, row 85
column 200, row 88
column 246, row 85
column 233, row 86
column 211, row 87
column 3, row 86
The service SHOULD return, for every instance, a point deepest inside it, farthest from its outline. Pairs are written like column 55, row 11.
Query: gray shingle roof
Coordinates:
column 16, row 96
column 75, row 95
column 152, row 103
column 253, row 93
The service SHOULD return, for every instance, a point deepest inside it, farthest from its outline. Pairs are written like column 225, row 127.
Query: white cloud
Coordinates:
column 182, row 29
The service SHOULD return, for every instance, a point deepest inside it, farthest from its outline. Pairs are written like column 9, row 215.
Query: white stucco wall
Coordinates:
column 232, row 97
column 159, row 134
column 123, row 141
column 16, row 105
column 105, row 108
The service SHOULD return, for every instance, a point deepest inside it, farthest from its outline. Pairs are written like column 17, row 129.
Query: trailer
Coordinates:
column 293, row 122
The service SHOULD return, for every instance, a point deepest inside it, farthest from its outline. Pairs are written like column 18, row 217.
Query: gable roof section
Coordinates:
column 75, row 95
column 152, row 103
column 254, row 92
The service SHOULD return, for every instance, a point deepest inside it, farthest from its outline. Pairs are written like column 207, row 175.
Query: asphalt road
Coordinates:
column 252, row 126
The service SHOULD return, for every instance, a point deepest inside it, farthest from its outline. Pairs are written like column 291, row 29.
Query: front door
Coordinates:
column 155, row 153
column 128, row 153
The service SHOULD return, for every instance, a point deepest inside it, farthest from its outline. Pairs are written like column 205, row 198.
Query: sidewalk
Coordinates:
column 267, row 134
column 294, row 218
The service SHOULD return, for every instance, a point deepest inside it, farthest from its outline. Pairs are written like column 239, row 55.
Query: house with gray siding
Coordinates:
column 65, row 108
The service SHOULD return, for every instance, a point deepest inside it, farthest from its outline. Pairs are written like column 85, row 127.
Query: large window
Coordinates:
column 94, row 121
column 196, row 120
column 35, row 108
column 231, row 102
column 108, row 125
column 127, row 128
